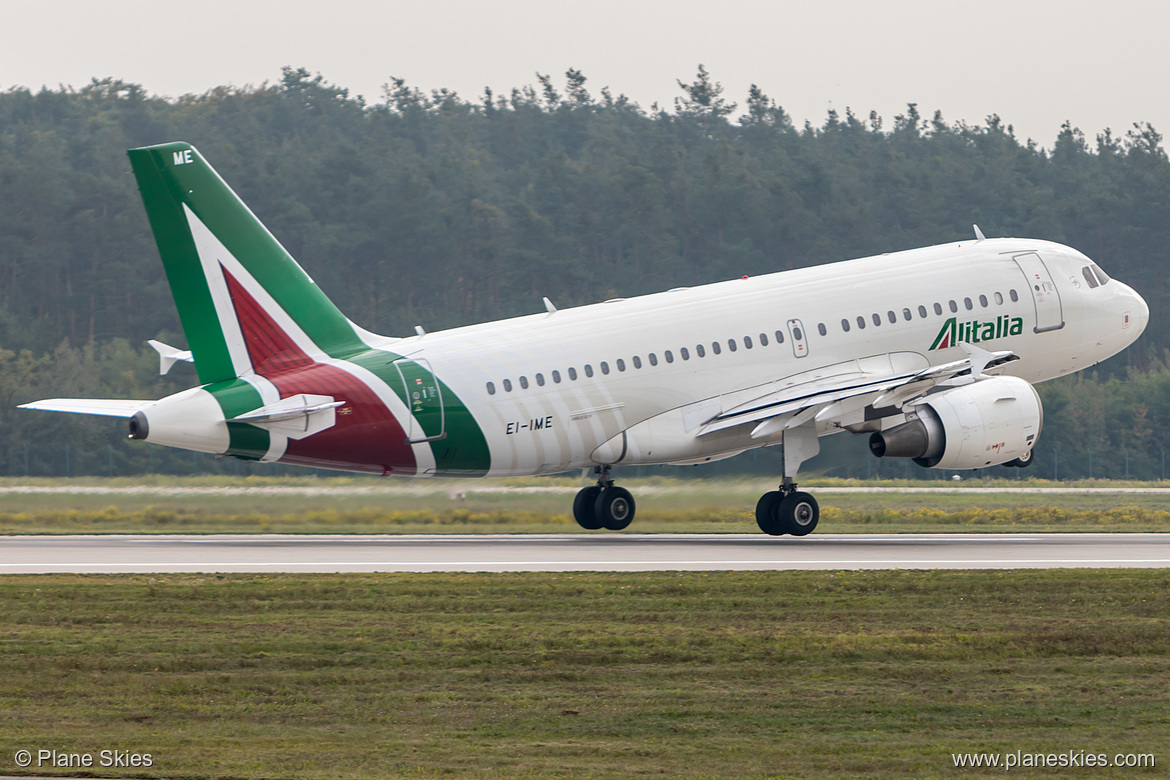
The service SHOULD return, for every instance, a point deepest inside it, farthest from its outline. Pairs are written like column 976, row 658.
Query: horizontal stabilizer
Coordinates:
column 297, row 416
column 168, row 356
column 105, row 407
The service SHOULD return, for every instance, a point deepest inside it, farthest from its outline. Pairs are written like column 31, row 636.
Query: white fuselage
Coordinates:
column 668, row 360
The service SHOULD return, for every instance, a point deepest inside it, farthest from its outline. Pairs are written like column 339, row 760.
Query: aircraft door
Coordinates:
column 428, row 420
column 798, row 336
column 1049, row 311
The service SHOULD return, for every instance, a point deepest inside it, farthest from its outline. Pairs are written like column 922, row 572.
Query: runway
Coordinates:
column 161, row 554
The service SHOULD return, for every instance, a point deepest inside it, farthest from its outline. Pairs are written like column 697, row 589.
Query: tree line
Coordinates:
column 439, row 210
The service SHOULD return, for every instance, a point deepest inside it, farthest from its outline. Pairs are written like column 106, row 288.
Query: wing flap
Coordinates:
column 879, row 381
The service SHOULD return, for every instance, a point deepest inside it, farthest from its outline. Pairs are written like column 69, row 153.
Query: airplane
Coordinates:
column 931, row 353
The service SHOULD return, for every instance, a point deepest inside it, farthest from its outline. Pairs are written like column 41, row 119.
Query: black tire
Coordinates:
column 1022, row 462
column 767, row 517
column 583, row 508
column 799, row 513
column 614, row 508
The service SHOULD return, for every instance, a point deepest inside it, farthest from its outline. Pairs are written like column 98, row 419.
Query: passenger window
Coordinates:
column 1090, row 277
column 653, row 359
column 669, row 356
column 604, row 367
column 686, row 355
column 731, row 345
column 637, row 362
column 938, row 308
column 573, row 373
column 747, row 341
column 954, row 306
column 821, row 329
column 968, row 304
column 588, row 370
column 524, row 383
column 700, row 351
column 715, row 348
column 540, row 379
column 861, row 322
column 556, row 376
column 621, row 364
column 891, row 317
column 779, row 337
column 907, row 315
column 763, row 339
column 845, row 325
column 999, row 299
column 491, row 388
column 507, row 385
column 1014, row 296
column 877, row 318
column 796, row 334
column 922, row 312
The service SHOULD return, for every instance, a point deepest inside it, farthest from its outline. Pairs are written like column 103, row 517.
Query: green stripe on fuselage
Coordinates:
column 464, row 452
column 236, row 397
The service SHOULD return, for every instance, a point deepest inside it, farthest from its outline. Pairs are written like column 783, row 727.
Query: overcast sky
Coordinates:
column 1036, row 63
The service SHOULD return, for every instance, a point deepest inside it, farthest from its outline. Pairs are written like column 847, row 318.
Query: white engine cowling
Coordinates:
column 986, row 423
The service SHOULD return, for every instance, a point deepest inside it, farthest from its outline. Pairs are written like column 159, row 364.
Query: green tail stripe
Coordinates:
column 170, row 175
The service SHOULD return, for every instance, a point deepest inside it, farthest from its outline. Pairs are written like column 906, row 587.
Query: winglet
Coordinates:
column 979, row 234
column 548, row 305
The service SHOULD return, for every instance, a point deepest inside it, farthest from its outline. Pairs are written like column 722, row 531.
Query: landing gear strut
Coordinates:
column 604, row 505
column 787, row 511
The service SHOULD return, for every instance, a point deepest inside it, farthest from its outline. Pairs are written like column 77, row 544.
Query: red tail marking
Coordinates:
column 369, row 437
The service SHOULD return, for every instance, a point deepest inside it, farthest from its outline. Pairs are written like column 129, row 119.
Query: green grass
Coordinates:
column 785, row 674
column 664, row 506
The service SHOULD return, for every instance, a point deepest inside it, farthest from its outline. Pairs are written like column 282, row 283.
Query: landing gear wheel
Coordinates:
column 614, row 508
column 1022, row 462
column 583, row 508
column 799, row 513
column 767, row 517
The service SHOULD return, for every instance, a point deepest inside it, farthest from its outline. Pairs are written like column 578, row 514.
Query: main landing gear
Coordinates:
column 787, row 511
column 604, row 505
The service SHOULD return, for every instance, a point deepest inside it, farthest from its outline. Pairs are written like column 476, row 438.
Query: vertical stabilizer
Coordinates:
column 241, row 297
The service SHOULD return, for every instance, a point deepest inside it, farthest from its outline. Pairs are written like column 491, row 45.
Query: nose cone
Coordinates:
column 1138, row 313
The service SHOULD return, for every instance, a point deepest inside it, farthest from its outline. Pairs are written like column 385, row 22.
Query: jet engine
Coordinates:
column 986, row 423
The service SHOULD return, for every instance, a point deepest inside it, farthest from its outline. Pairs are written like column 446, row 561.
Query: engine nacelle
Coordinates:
column 986, row 423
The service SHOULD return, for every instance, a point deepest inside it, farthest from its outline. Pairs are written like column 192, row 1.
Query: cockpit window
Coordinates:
column 1090, row 277
column 1104, row 277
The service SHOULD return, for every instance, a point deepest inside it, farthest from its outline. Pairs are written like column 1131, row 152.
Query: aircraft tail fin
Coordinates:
column 244, row 303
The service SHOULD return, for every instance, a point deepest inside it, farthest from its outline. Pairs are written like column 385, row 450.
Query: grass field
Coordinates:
column 342, row 505
column 784, row 674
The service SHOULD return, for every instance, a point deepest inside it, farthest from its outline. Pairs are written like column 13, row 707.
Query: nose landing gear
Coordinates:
column 604, row 505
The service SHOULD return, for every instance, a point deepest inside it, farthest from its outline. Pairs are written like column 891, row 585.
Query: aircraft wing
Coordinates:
column 869, row 382
column 105, row 407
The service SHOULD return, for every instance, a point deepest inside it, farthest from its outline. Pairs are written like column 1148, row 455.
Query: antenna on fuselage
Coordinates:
column 978, row 233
